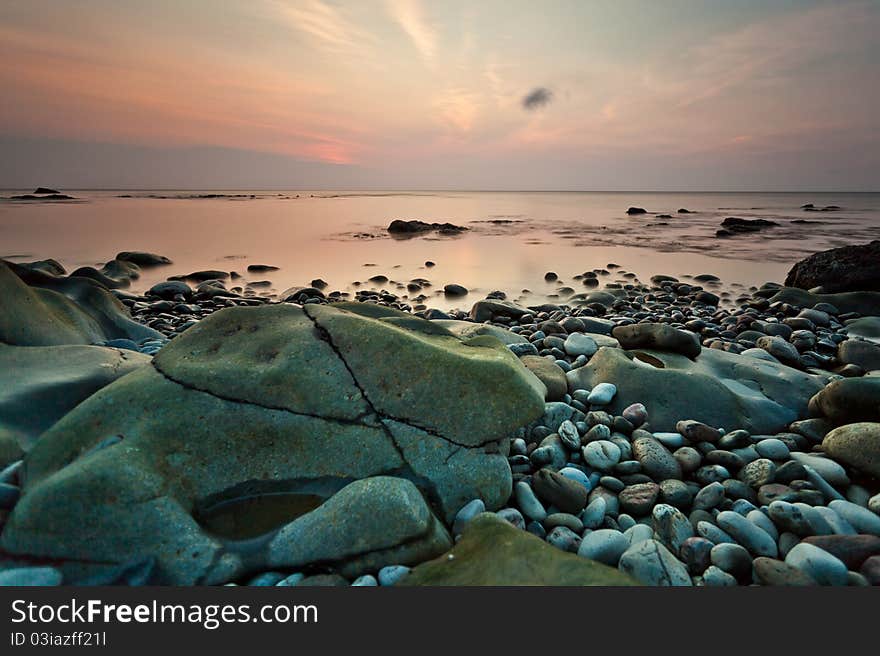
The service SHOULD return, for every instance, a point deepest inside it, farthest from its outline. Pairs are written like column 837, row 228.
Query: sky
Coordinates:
column 413, row 94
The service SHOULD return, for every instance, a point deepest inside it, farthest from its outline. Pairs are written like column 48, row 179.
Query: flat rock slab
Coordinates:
column 491, row 552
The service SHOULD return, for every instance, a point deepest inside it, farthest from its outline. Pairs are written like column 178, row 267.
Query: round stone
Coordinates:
column 579, row 344
column 733, row 559
column 602, row 394
column 466, row 514
column 756, row 540
column 652, row 563
column 773, row 449
column 709, row 496
column 818, row 564
column 638, row 499
column 602, row 455
column 528, row 503
column 605, row 546
column 393, row 574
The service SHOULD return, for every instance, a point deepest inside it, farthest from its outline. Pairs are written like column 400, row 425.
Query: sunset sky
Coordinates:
column 679, row 95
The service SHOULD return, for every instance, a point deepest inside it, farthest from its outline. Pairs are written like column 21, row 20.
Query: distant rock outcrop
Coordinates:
column 409, row 228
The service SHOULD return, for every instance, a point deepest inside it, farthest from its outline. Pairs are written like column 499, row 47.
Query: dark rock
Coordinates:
column 845, row 269
column 415, row 227
column 636, row 210
column 142, row 259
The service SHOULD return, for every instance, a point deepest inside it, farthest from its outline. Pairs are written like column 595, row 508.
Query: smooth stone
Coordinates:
column 652, row 563
column 602, row 455
column 769, row 571
column 602, row 394
column 528, row 503
column 839, row 526
column 564, row 538
column 492, row 553
column 569, row 435
column 709, row 496
column 549, row 373
column 733, row 559
column 786, row 541
column 266, row 579
column 635, row 414
column 513, row 517
column 577, row 475
column 557, row 490
column 594, row 513
column 716, row 577
column 393, row 574
column 852, row 550
column 856, row 445
column 676, row 493
column 604, row 545
column 862, row 519
column 365, row 581
column 763, row 522
column 714, row 534
column 670, row 440
column 773, row 449
column 638, row 499
column 831, row 471
column 821, row 484
column 579, row 344
column 688, row 458
column 871, row 570
column 30, row 576
column 696, row 554
column 816, row 522
column 789, row 517
column 292, row 580
column 466, row 514
column 671, row 526
column 818, row 564
column 746, row 533
column 638, row 533
column 758, row 473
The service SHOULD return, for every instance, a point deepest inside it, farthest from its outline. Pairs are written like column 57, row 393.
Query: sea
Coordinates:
column 512, row 239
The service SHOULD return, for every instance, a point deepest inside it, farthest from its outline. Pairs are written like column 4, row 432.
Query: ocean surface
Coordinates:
column 514, row 238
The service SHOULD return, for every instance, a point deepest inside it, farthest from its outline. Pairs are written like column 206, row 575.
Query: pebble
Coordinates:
column 602, row 455
column 365, row 581
column 636, row 414
column 639, row 499
column 638, row 533
column 786, row 541
column 839, row 526
column 563, row 519
column 874, row 504
column 716, row 577
column 577, row 475
column 513, row 516
column 604, row 545
column 733, row 559
column 671, row 526
column 817, row 523
column 290, row 581
column 827, row 491
column 9, row 495
column 625, row 521
column 709, row 496
column 594, row 513
column 714, row 534
column 769, row 571
column 569, row 435
column 466, row 514
column 763, row 522
column 602, row 394
column 669, row 440
column 789, row 517
column 758, row 473
column 818, row 564
column 749, row 535
column 564, row 538
column 676, row 493
column 30, row 576
column 266, row 579
column 657, row 462
column 831, row 471
column 862, row 519
column 773, row 449
column 652, row 564
column 579, row 344
column 393, row 574
column 689, row 459
column 528, row 503
column 695, row 552
column 557, row 490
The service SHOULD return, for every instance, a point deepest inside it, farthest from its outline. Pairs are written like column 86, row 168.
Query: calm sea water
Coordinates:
column 514, row 238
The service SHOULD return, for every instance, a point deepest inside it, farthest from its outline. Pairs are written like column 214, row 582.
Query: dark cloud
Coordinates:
column 536, row 98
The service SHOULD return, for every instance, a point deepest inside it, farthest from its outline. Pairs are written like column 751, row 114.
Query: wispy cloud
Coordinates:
column 328, row 26
column 410, row 15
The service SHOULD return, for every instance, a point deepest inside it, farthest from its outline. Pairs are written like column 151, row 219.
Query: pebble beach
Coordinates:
column 208, row 428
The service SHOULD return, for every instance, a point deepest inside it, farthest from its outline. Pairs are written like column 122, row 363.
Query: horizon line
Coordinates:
column 464, row 190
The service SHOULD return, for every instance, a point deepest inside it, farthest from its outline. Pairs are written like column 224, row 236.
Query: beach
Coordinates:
column 339, row 388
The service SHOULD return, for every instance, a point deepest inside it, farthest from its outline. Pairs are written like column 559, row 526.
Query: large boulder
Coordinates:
column 844, row 269
column 867, row 303
column 492, row 552
column 848, row 400
column 279, row 407
column 40, row 309
column 856, row 445
column 717, row 388
column 40, row 384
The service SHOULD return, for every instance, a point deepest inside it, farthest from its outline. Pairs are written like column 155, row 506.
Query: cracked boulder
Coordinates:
column 258, row 418
column 40, row 384
column 717, row 388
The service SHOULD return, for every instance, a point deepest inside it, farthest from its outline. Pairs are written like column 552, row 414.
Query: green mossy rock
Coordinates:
column 491, row 552
column 259, row 405
column 40, row 384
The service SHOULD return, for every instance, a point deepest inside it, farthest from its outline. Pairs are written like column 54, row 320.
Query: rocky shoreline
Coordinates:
column 209, row 431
